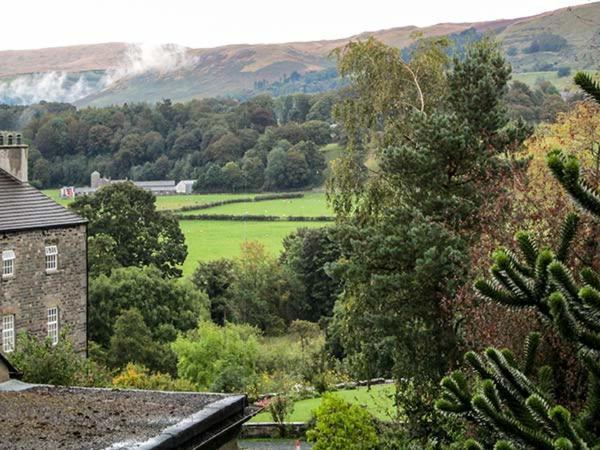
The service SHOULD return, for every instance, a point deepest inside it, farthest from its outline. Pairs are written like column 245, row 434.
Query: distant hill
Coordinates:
column 115, row 73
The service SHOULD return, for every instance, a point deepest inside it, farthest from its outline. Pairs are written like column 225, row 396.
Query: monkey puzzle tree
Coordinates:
column 511, row 399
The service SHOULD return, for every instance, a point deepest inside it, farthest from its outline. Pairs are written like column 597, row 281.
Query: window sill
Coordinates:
column 8, row 277
column 53, row 271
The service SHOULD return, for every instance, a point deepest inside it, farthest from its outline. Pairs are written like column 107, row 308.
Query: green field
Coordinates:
column 312, row 204
column 167, row 201
column 214, row 239
column 531, row 78
column 379, row 400
column 208, row 240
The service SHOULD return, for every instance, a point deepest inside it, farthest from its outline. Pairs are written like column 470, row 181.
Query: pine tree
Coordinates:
column 512, row 399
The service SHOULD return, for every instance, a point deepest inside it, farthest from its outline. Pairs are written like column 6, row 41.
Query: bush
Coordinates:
column 340, row 425
column 161, row 301
column 281, row 407
column 563, row 72
column 546, row 42
column 218, row 358
column 44, row 363
column 132, row 342
column 136, row 376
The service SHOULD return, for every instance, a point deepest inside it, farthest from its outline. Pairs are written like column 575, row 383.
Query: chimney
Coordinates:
column 13, row 155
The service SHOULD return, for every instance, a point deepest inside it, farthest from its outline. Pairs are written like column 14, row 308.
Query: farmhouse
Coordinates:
column 43, row 258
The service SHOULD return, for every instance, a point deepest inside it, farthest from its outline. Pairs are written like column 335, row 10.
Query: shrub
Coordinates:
column 563, row 72
column 42, row 362
column 281, row 407
column 132, row 342
column 161, row 301
column 218, row 358
column 136, row 376
column 546, row 42
column 340, row 425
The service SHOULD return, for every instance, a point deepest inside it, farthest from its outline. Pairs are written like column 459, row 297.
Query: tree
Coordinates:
column 214, row 278
column 132, row 342
column 99, row 140
column 233, row 177
column 101, row 255
column 308, row 252
column 317, row 131
column 442, row 146
column 314, row 160
column 143, row 235
column 219, row 359
column 253, row 171
column 508, row 401
column 167, row 305
column 305, row 330
column 340, row 425
column 227, row 148
column 276, row 170
column 52, row 138
column 263, row 293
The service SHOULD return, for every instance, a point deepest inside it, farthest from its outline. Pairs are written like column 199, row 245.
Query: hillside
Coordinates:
column 117, row 72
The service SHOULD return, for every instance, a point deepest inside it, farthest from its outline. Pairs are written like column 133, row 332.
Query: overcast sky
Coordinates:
column 198, row 23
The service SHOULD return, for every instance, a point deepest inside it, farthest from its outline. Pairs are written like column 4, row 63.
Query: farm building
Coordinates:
column 158, row 187
column 185, row 186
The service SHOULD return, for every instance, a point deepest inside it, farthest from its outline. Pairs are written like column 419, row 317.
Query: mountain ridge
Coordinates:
column 118, row 72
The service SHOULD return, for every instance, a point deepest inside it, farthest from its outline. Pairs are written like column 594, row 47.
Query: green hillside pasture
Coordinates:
column 208, row 240
column 166, row 202
column 379, row 400
column 561, row 83
column 311, row 205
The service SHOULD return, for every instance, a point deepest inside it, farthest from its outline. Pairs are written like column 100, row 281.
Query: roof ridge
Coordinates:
column 25, row 207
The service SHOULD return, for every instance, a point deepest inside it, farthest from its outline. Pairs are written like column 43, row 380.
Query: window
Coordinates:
column 8, row 263
column 53, row 325
column 8, row 333
column 51, row 258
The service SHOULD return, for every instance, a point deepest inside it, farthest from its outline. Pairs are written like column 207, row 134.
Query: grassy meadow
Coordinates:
column 379, row 400
column 531, row 78
column 215, row 239
column 209, row 240
column 166, row 202
column 312, row 204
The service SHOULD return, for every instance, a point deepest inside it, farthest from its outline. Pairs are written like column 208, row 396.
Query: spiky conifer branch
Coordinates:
column 587, row 83
column 506, row 399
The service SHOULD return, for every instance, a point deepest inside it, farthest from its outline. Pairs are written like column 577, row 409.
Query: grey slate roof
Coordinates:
column 23, row 207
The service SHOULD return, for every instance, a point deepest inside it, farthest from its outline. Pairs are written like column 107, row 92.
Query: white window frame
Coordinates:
column 53, row 324
column 8, row 263
column 8, row 333
column 51, row 252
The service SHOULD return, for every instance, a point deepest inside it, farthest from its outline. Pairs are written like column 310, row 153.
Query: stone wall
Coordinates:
column 32, row 290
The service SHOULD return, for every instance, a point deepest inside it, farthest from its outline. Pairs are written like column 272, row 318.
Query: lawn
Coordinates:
column 378, row 400
column 214, row 239
column 312, row 204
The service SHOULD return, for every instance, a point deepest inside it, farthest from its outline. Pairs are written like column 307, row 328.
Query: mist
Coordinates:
column 71, row 87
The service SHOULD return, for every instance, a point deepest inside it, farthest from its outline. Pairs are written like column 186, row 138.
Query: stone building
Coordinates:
column 43, row 258
column 158, row 187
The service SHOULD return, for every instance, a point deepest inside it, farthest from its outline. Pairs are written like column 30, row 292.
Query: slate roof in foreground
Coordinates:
column 23, row 207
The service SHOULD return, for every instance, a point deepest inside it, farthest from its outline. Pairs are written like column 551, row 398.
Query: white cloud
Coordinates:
column 62, row 87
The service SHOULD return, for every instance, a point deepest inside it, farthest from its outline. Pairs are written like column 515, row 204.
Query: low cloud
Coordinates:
column 65, row 87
